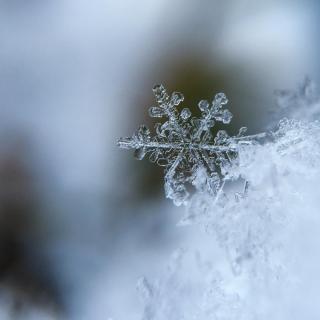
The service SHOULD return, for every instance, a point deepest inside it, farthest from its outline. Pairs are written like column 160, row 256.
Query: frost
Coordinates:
column 255, row 227
column 256, row 198
column 185, row 145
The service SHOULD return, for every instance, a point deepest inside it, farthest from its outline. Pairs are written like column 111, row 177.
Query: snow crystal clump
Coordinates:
column 258, row 197
column 260, row 229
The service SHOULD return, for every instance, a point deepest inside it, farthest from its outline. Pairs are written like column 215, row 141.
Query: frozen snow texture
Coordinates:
column 264, row 217
column 185, row 145
column 261, row 231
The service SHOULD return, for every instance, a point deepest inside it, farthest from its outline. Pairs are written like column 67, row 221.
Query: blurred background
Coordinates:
column 80, row 219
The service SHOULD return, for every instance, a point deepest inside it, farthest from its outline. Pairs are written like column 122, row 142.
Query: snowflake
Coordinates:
column 185, row 145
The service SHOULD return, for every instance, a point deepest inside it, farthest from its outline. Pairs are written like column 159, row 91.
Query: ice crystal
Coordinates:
column 263, row 224
column 257, row 203
column 186, row 146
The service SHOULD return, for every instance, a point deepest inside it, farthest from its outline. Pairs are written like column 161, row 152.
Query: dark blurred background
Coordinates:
column 80, row 219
